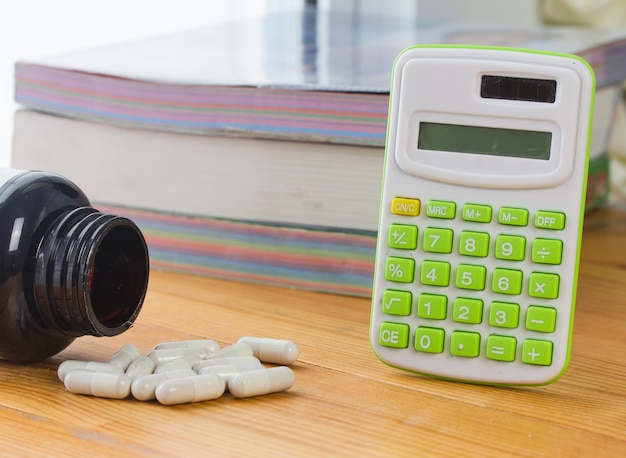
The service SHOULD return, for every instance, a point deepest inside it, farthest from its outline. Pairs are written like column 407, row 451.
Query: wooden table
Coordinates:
column 345, row 402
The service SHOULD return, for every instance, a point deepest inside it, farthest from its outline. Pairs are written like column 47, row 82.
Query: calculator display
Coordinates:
column 484, row 140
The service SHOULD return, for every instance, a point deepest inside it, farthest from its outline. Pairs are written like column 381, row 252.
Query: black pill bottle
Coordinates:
column 66, row 269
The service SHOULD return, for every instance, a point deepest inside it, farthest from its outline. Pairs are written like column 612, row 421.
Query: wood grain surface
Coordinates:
column 344, row 402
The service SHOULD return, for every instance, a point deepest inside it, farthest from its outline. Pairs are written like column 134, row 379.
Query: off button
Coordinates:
column 550, row 220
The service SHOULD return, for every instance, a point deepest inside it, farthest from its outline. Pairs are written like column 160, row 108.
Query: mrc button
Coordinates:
column 440, row 209
column 550, row 220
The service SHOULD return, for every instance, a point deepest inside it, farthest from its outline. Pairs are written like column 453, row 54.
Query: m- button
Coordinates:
column 513, row 216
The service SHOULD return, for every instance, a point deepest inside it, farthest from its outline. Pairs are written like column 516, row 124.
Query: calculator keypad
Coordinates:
column 498, row 255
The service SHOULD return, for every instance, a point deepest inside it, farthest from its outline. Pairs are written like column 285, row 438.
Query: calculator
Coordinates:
column 482, row 206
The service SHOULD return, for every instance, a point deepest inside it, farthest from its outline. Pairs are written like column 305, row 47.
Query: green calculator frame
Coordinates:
column 481, row 213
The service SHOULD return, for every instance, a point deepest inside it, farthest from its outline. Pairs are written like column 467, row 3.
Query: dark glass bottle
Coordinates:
column 66, row 269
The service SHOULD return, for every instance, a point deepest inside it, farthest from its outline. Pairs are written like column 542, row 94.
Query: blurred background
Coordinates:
column 35, row 28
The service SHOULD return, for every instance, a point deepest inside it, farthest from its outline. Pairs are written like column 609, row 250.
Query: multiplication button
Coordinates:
column 544, row 285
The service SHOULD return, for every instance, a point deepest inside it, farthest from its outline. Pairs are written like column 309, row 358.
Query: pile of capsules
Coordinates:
column 186, row 371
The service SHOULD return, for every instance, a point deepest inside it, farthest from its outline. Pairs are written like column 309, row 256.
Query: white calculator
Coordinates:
column 481, row 213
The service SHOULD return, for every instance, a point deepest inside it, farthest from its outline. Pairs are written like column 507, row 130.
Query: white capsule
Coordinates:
column 238, row 361
column 274, row 351
column 144, row 388
column 178, row 364
column 71, row 364
column 124, row 356
column 201, row 343
column 261, row 381
column 169, row 354
column 237, row 349
column 101, row 384
column 140, row 367
column 227, row 371
column 191, row 389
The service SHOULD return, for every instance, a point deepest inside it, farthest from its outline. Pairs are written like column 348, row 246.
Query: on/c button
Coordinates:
column 405, row 206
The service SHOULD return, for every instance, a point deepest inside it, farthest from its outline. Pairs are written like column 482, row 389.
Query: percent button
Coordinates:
column 400, row 270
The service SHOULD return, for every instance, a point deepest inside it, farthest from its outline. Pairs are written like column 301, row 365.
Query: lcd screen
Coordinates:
column 490, row 141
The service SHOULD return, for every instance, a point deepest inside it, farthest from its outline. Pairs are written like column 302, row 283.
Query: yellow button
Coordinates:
column 403, row 206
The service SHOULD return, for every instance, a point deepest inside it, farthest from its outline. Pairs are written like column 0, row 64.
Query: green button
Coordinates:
column 537, row 352
column 466, row 344
column 394, row 335
column 477, row 213
column 541, row 319
column 513, row 216
column 507, row 281
column 474, row 244
column 435, row 273
column 550, row 220
column 432, row 306
column 471, row 277
column 437, row 240
column 441, row 209
column 400, row 269
column 402, row 236
column 467, row 310
column 504, row 315
column 544, row 286
column 510, row 247
column 501, row 348
column 429, row 340
column 547, row 251
column 397, row 302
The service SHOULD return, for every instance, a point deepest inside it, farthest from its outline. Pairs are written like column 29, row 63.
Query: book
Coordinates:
column 261, row 180
column 338, row 262
column 288, row 183
column 306, row 76
column 216, row 150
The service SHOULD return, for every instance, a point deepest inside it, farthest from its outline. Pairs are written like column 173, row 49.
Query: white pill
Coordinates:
column 178, row 364
column 66, row 366
column 140, row 367
column 124, row 356
column 261, row 381
column 227, row 371
column 238, row 361
column 191, row 389
column 201, row 343
column 169, row 354
column 144, row 388
column 237, row 349
column 101, row 384
column 274, row 351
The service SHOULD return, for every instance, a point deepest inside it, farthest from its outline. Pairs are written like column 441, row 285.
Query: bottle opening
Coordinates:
column 119, row 274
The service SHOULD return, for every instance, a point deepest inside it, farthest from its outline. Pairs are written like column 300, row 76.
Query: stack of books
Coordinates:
column 254, row 150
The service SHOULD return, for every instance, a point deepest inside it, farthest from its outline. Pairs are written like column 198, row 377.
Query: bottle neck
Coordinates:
column 90, row 273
